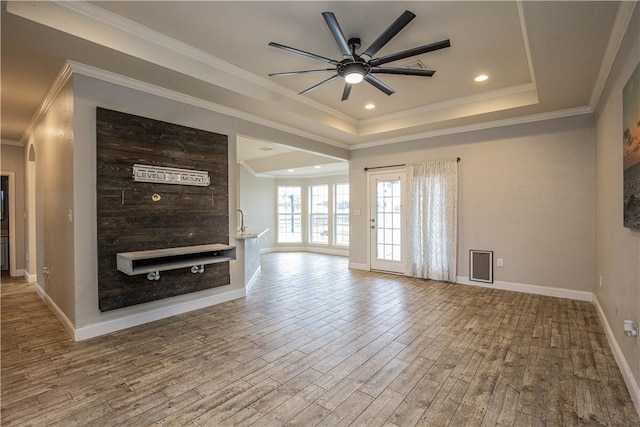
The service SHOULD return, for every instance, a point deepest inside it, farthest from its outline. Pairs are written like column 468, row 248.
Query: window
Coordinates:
column 289, row 214
column 341, row 214
column 319, row 214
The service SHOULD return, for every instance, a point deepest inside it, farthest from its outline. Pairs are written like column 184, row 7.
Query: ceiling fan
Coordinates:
column 355, row 68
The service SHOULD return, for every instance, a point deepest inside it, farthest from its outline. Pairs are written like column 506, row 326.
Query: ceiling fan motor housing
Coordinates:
column 357, row 65
column 353, row 68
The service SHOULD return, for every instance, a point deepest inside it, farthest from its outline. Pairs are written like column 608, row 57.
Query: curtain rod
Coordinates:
column 394, row 166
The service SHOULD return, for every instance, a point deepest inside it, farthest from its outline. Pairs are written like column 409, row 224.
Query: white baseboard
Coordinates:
column 30, row 278
column 19, row 272
column 313, row 249
column 267, row 250
column 359, row 266
column 530, row 289
column 629, row 380
column 68, row 325
column 253, row 279
column 108, row 326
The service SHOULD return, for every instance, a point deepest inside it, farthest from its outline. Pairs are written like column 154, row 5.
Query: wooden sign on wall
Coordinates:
column 137, row 216
column 161, row 175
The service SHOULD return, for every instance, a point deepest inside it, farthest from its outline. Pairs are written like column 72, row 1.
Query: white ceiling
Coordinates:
column 544, row 59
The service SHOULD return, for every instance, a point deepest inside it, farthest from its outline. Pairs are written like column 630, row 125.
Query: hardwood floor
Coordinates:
column 317, row 344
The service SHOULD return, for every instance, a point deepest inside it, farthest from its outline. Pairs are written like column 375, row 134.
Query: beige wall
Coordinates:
column 13, row 161
column 53, row 143
column 257, row 201
column 617, row 255
column 525, row 192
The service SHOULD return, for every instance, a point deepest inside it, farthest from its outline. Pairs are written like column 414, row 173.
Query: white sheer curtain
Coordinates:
column 432, row 219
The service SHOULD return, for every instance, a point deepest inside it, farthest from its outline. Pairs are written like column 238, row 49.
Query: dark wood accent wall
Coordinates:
column 128, row 218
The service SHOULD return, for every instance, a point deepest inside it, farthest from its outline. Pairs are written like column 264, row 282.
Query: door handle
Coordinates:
column 372, row 226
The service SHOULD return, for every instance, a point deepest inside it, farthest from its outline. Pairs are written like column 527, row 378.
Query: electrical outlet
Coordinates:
column 500, row 262
column 601, row 280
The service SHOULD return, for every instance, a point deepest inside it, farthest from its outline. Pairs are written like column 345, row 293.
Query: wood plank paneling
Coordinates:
column 128, row 218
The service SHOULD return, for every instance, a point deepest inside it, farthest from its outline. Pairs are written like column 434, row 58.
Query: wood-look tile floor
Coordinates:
column 317, row 344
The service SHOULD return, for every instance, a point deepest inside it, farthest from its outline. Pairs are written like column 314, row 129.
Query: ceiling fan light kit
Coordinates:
column 353, row 67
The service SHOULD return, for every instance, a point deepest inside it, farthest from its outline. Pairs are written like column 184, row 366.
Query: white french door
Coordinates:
column 386, row 221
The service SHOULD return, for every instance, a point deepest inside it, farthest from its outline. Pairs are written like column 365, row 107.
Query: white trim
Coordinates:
column 11, row 142
column 525, row 39
column 30, row 278
column 19, row 272
column 629, row 380
column 246, row 165
column 530, row 289
column 623, row 17
column 309, row 248
column 253, row 279
column 455, row 102
column 267, row 250
column 128, row 82
column 550, row 115
column 359, row 266
column 106, row 28
column 66, row 323
column 63, row 77
column 108, row 326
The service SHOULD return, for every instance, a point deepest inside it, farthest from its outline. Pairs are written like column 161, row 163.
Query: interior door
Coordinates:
column 386, row 221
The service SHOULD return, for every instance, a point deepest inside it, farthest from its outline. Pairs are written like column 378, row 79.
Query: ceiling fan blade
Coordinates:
column 389, row 33
column 411, row 52
column 302, row 52
column 402, row 71
column 337, row 33
column 377, row 83
column 318, row 85
column 294, row 73
column 346, row 92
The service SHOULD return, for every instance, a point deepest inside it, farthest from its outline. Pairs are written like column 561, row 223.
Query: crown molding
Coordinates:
column 98, row 25
column 63, row 77
column 11, row 142
column 164, row 42
column 623, row 17
column 525, row 38
column 246, row 165
column 456, row 102
column 128, row 82
column 578, row 111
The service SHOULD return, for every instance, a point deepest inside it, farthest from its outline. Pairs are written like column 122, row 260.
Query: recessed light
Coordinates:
column 318, row 167
column 481, row 78
column 370, row 106
column 292, row 170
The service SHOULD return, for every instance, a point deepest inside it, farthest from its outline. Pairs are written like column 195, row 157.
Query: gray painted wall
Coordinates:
column 257, row 201
column 53, row 140
column 525, row 192
column 617, row 255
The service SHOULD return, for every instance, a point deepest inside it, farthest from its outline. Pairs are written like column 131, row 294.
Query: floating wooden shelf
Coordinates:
column 156, row 260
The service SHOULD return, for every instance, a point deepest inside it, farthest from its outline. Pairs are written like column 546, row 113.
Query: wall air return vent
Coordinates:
column 481, row 266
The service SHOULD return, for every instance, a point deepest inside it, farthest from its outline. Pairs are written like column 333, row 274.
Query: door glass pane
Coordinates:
column 388, row 203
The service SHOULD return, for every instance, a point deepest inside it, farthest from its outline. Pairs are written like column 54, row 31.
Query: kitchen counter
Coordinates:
column 248, row 251
column 251, row 234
